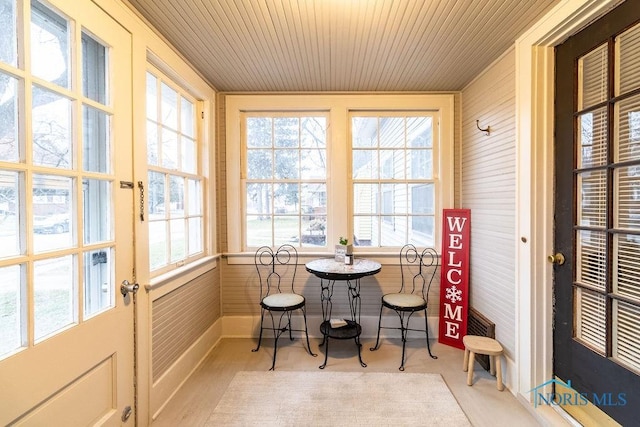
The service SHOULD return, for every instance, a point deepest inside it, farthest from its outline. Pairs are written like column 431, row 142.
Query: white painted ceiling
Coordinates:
column 341, row 45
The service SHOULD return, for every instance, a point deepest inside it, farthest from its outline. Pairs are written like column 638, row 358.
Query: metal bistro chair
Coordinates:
column 417, row 270
column 277, row 294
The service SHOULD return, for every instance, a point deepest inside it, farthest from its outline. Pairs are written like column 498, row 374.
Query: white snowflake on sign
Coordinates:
column 453, row 294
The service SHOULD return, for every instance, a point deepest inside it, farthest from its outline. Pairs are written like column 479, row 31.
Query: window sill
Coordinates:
column 181, row 275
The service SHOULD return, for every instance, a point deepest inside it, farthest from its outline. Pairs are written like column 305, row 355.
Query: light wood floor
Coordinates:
column 483, row 404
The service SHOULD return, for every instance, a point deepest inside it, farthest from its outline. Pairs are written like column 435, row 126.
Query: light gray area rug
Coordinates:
column 337, row 399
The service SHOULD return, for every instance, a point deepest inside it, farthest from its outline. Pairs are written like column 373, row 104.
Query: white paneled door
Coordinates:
column 66, row 216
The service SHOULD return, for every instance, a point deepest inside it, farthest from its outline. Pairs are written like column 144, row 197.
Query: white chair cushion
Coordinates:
column 283, row 300
column 403, row 300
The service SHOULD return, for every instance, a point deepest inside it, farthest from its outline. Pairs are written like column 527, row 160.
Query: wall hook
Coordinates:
column 486, row 130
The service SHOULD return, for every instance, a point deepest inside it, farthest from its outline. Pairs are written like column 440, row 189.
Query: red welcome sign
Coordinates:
column 454, row 279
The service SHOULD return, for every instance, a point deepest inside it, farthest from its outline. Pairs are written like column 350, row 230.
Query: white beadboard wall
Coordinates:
column 181, row 317
column 488, row 188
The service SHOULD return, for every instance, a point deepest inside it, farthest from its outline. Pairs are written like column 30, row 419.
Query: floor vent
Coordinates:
column 478, row 324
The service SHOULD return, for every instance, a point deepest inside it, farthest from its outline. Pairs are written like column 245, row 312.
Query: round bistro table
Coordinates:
column 329, row 271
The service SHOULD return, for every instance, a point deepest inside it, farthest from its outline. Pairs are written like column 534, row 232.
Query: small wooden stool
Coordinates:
column 482, row 345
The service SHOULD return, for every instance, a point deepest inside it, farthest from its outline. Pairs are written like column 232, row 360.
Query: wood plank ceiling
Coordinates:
column 341, row 45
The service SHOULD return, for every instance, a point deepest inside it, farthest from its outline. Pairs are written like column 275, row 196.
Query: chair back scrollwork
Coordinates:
column 417, row 270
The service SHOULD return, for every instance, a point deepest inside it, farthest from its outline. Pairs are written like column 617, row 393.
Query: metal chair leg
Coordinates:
column 403, row 333
column 375, row 347
column 426, row 328
column 260, row 337
column 306, row 333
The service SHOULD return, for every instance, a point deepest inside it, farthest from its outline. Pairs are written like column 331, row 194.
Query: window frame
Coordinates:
column 339, row 108
column 199, row 175
column 387, row 179
column 299, row 180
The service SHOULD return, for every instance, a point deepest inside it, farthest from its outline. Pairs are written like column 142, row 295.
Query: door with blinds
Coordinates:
column 597, row 216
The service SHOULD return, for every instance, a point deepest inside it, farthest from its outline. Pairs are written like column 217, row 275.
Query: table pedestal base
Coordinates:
column 351, row 331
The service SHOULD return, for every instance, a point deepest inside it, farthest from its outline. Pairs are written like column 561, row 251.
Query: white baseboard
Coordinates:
column 170, row 382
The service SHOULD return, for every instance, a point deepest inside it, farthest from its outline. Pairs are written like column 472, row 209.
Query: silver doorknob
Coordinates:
column 556, row 259
column 126, row 288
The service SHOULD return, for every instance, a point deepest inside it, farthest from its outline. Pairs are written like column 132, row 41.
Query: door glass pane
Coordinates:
column 96, row 127
column 628, row 45
column 9, row 214
column 8, row 117
column 97, row 211
column 54, row 295
column 49, row 45
column 628, row 129
column 51, row 129
column 627, row 198
column 52, row 215
column 11, row 301
column 593, row 78
column 627, row 265
column 94, row 69
column 98, row 281
column 592, row 207
column 592, row 138
column 591, row 259
column 591, row 319
column 626, row 337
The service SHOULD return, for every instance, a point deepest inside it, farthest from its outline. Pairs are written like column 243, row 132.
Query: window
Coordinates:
column 307, row 169
column 174, row 194
column 285, row 186
column 393, row 179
